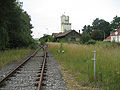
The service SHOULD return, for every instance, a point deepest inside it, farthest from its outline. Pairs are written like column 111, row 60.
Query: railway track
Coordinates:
column 28, row 75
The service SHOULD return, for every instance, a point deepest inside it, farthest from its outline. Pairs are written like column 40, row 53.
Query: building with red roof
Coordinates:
column 115, row 36
column 108, row 38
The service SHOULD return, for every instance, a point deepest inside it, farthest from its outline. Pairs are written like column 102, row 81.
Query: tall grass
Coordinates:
column 9, row 56
column 77, row 60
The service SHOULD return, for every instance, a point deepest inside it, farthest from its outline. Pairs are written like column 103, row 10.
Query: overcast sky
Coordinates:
column 45, row 14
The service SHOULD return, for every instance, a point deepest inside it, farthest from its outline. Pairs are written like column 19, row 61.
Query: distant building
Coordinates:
column 70, row 35
column 65, row 25
column 108, row 38
column 114, row 36
column 66, row 33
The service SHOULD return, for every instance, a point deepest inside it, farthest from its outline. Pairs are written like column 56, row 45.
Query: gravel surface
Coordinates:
column 53, row 77
column 5, row 70
column 26, row 78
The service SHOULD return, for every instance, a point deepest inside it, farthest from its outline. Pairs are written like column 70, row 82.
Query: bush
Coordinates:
column 33, row 46
column 91, row 42
column 42, row 42
column 97, row 35
column 85, row 37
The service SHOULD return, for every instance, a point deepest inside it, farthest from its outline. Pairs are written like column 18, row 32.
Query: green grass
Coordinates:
column 77, row 60
column 10, row 56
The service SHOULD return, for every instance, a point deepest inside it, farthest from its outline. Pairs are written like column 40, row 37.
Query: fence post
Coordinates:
column 94, row 59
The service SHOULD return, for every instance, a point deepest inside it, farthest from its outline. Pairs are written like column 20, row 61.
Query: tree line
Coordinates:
column 15, row 26
column 100, row 29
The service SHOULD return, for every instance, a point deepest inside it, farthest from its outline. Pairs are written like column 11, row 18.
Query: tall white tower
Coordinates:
column 65, row 25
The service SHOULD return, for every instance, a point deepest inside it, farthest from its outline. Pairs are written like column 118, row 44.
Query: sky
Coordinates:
column 45, row 14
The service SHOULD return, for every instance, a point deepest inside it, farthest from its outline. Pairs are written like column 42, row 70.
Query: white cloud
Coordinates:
column 46, row 13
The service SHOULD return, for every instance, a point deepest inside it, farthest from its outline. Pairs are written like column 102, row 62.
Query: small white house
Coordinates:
column 115, row 36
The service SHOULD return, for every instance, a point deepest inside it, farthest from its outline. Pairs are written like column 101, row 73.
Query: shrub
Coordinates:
column 42, row 42
column 85, row 37
column 33, row 46
column 97, row 35
column 91, row 42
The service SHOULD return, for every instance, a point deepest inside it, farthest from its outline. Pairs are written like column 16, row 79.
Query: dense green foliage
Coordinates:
column 101, row 29
column 87, row 29
column 46, row 38
column 85, row 37
column 102, row 25
column 97, row 35
column 15, row 26
column 91, row 42
column 115, row 23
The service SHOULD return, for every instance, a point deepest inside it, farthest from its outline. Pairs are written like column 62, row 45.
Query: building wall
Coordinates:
column 107, row 40
column 65, row 25
column 115, row 38
column 72, row 36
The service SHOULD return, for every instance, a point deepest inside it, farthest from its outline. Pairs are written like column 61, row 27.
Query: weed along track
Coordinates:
column 28, row 75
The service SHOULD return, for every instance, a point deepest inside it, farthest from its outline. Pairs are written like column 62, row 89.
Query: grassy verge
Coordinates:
column 9, row 56
column 76, row 60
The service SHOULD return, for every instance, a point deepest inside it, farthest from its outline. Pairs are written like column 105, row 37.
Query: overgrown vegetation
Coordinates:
column 77, row 60
column 15, row 26
column 91, row 42
column 100, row 29
column 46, row 38
column 9, row 56
column 85, row 37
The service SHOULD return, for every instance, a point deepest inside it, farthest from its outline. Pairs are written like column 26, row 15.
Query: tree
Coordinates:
column 102, row 25
column 115, row 24
column 46, row 38
column 3, row 39
column 15, row 25
column 85, row 37
column 97, row 35
column 19, row 28
column 4, row 9
column 87, row 28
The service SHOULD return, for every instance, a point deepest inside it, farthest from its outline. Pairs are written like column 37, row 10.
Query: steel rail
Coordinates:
column 3, row 79
column 42, row 71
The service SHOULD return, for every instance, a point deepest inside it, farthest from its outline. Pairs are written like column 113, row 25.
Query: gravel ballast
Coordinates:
column 5, row 70
column 26, row 77
column 53, row 77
